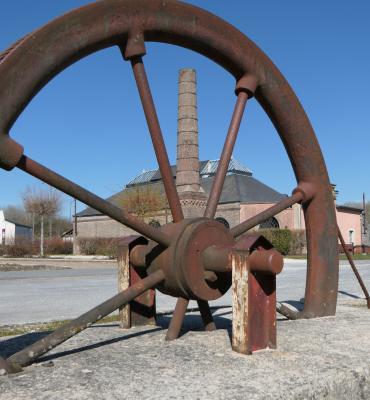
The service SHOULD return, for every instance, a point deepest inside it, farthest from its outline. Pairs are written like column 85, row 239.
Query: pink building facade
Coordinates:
column 349, row 219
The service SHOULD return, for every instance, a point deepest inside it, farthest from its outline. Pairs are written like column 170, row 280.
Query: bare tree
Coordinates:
column 144, row 201
column 28, row 206
column 44, row 204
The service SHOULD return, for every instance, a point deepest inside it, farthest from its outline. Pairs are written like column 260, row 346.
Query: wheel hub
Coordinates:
column 182, row 262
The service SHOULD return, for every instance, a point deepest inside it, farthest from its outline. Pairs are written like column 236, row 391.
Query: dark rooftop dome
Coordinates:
column 239, row 186
column 206, row 168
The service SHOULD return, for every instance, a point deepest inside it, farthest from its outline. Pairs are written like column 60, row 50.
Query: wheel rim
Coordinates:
column 49, row 50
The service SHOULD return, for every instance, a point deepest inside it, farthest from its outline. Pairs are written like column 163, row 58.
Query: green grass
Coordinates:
column 44, row 326
column 341, row 257
column 356, row 257
column 296, row 257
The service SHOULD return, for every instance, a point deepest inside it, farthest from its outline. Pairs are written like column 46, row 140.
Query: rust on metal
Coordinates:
column 179, row 314
column 141, row 310
column 123, row 262
column 218, row 259
column 240, row 337
column 142, row 307
column 254, row 271
column 245, row 89
column 270, row 212
column 9, row 367
column 262, row 314
column 118, row 214
column 179, row 258
column 177, row 319
column 10, row 152
column 263, row 261
column 157, row 138
column 206, row 314
column 49, row 51
column 226, row 154
column 288, row 311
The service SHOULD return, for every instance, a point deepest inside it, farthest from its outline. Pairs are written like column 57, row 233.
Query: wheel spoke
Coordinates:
column 52, row 178
column 207, row 318
column 250, row 223
column 354, row 269
column 177, row 319
column 30, row 353
column 226, row 154
column 10, row 368
column 286, row 311
column 157, row 137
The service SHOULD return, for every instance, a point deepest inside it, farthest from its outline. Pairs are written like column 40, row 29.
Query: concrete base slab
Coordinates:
column 327, row 358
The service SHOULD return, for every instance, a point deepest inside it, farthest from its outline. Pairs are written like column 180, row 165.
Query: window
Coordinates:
column 223, row 222
column 154, row 223
column 269, row 223
column 3, row 236
column 351, row 236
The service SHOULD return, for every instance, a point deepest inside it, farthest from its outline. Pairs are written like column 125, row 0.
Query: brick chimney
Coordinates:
column 192, row 196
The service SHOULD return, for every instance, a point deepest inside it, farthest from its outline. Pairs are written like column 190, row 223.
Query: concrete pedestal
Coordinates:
column 327, row 358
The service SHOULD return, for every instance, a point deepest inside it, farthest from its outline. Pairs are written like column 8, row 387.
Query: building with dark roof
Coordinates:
column 242, row 197
column 11, row 231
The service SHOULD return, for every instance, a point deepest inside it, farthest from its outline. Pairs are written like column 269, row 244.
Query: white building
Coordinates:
column 11, row 231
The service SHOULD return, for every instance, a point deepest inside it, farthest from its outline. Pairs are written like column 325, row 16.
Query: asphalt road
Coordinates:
column 45, row 295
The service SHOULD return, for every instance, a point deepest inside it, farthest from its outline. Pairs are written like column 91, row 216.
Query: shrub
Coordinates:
column 58, row 246
column 99, row 246
column 25, row 247
column 88, row 246
column 298, row 245
column 280, row 238
column 21, row 248
column 109, row 248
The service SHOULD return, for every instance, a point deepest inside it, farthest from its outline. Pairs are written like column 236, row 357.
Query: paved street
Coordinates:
column 45, row 295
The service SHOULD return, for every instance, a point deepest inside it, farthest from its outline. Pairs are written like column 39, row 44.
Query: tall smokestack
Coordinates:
column 187, row 176
column 192, row 196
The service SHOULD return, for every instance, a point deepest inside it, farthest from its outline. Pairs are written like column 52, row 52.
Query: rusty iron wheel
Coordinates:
column 128, row 24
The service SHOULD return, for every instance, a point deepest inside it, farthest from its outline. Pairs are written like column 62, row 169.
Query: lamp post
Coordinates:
column 74, row 227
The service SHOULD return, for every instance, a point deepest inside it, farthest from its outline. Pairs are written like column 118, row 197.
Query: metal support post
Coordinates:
column 254, row 301
column 140, row 311
column 240, row 334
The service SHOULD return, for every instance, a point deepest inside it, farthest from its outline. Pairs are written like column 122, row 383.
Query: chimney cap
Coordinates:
column 187, row 75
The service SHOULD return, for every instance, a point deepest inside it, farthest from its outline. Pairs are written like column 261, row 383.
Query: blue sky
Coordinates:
column 88, row 125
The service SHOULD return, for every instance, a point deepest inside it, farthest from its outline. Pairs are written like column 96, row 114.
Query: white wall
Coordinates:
column 9, row 230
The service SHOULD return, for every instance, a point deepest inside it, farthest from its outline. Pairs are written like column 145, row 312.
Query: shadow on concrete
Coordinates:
column 97, row 345
column 224, row 313
column 195, row 323
column 191, row 323
column 15, row 344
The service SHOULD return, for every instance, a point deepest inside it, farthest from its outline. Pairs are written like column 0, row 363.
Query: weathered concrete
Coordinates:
column 325, row 358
